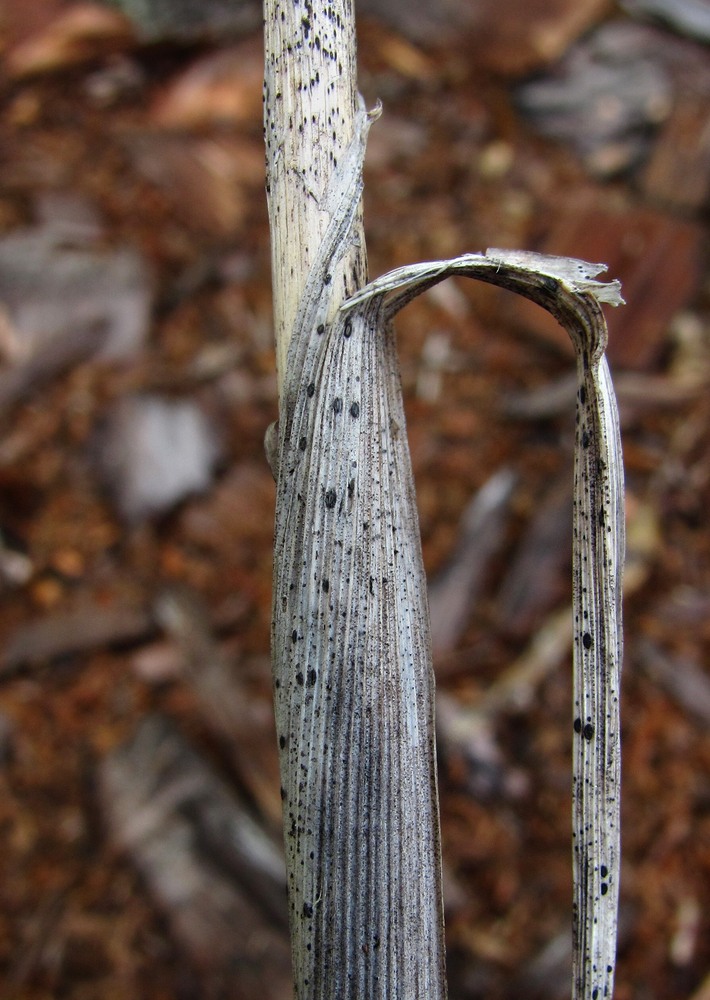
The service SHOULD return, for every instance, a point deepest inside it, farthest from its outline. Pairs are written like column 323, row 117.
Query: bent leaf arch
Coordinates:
column 352, row 671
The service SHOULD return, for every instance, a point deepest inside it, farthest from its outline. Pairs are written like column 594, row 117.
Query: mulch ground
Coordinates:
column 159, row 145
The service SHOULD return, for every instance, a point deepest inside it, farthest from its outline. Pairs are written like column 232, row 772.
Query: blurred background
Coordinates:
column 139, row 812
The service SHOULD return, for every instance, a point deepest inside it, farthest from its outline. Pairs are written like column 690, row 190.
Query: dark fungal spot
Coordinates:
column 587, row 641
column 595, row 993
column 604, row 889
column 585, row 439
column 331, row 498
column 348, row 327
column 601, row 517
column 320, row 328
column 311, row 390
column 327, row 279
column 299, row 678
column 325, row 585
column 577, row 725
column 355, row 411
column 312, row 678
column 548, row 285
column 282, row 742
column 303, row 443
column 604, row 871
column 307, row 910
column 337, row 405
column 351, row 488
column 588, row 732
column 582, row 395
column 306, row 26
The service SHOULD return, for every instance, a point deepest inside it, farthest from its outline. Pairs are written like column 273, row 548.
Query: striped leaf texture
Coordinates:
column 351, row 647
column 568, row 289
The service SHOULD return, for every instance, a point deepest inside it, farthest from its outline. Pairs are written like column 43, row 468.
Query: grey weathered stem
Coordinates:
column 310, row 109
column 353, row 684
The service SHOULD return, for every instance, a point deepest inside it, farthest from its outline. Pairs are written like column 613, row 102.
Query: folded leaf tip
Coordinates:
column 576, row 275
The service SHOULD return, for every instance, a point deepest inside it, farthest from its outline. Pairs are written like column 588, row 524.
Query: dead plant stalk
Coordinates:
column 353, row 683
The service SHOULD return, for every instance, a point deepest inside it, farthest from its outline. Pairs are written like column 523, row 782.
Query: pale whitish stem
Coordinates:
column 310, row 109
column 353, row 684
column 354, row 696
column 568, row 290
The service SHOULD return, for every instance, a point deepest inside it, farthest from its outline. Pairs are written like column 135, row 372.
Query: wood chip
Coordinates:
column 60, row 635
column 455, row 589
column 656, row 257
column 217, row 876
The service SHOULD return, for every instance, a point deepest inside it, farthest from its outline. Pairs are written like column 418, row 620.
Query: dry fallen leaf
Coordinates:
column 224, row 86
column 82, row 32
